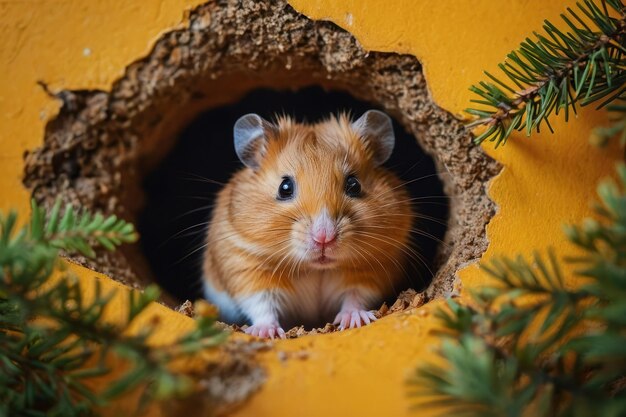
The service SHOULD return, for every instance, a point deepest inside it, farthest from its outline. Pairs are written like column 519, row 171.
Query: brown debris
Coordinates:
column 382, row 311
column 237, row 373
column 299, row 331
column 406, row 300
column 186, row 308
column 225, row 382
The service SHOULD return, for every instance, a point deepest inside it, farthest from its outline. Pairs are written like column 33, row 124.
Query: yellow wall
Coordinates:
column 548, row 179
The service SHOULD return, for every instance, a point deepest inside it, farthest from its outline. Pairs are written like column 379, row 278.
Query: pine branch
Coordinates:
column 532, row 345
column 46, row 364
column 554, row 72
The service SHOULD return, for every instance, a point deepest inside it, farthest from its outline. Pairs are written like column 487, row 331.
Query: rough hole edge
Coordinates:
column 97, row 149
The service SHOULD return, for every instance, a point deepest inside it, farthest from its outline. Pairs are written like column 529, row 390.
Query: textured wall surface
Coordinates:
column 547, row 180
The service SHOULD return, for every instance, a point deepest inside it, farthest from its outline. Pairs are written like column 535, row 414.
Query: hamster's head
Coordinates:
column 317, row 196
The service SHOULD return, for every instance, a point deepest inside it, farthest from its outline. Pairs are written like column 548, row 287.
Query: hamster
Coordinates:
column 312, row 229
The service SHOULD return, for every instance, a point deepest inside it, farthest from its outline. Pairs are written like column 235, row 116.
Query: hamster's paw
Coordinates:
column 265, row 330
column 349, row 319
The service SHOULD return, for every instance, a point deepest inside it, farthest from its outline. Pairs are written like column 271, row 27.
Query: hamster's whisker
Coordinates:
column 200, row 178
column 440, row 173
column 365, row 258
column 351, row 248
column 413, row 229
column 266, row 260
column 177, row 234
column 300, row 212
column 283, row 215
column 270, row 258
column 421, row 232
column 415, row 199
column 196, row 197
column 419, row 216
column 424, row 233
column 413, row 166
column 293, row 219
column 423, row 203
column 268, row 232
column 208, row 207
column 443, row 196
column 375, row 257
column 385, row 216
column 436, row 174
column 286, row 256
column 430, row 236
column 431, row 218
column 302, row 259
column 419, row 257
column 277, row 265
column 298, row 263
column 185, row 235
column 193, row 243
column 403, row 184
column 212, row 241
column 415, row 206
column 394, row 242
column 381, row 265
column 293, row 269
column 364, row 216
column 191, row 253
column 395, row 261
column 411, row 257
column 422, row 260
column 286, row 216
column 250, row 223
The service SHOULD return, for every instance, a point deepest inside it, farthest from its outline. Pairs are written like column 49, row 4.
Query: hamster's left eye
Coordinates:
column 353, row 186
column 286, row 189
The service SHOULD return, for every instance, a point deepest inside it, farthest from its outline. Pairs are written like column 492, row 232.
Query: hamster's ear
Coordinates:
column 251, row 139
column 376, row 130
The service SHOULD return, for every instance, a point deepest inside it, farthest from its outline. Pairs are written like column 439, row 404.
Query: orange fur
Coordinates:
column 256, row 243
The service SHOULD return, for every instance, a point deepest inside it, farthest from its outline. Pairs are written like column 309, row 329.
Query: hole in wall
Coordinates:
column 180, row 192
column 98, row 150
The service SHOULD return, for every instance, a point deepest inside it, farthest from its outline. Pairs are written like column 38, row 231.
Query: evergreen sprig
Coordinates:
column 534, row 344
column 601, row 135
column 556, row 71
column 54, row 340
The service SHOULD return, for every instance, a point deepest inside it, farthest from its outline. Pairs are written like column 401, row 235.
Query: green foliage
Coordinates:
column 54, row 340
column 601, row 135
column 530, row 345
column 556, row 71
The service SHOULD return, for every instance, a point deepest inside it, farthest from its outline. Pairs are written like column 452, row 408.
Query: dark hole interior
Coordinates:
column 180, row 191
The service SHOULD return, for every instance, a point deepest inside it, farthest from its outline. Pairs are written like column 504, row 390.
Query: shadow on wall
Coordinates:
column 180, row 192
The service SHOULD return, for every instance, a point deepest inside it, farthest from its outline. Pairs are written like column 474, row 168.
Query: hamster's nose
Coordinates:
column 324, row 237
column 323, row 230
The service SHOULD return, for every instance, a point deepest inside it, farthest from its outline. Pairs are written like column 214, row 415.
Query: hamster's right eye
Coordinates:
column 286, row 189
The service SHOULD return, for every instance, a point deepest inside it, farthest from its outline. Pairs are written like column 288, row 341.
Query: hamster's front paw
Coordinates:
column 349, row 319
column 271, row 330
